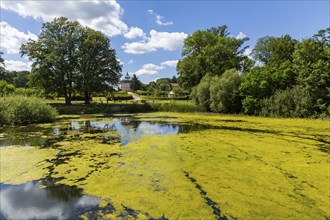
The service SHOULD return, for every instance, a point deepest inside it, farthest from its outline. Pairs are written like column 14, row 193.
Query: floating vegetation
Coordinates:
column 170, row 166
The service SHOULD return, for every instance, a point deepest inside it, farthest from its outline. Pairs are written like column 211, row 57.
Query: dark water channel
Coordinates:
column 44, row 199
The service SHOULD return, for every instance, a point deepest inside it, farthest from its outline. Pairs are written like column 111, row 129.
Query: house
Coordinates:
column 125, row 84
column 169, row 86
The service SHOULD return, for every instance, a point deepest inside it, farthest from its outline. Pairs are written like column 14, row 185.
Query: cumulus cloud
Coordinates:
column 152, row 69
column 102, row 15
column 170, row 63
column 247, row 52
column 15, row 65
column 149, row 69
column 130, row 61
column 11, row 38
column 158, row 40
column 158, row 18
column 240, row 36
column 134, row 32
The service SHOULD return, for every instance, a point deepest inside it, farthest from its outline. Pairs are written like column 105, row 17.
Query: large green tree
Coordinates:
column 98, row 68
column 273, row 51
column 55, row 56
column 68, row 57
column 209, row 51
column 312, row 64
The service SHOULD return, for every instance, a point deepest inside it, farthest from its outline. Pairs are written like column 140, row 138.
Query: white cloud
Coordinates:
column 134, row 32
column 151, row 66
column 247, row 52
column 170, row 63
column 15, row 65
column 120, row 62
column 149, row 69
column 130, row 61
column 102, row 15
column 152, row 69
column 158, row 40
column 11, row 38
column 158, row 18
column 240, row 36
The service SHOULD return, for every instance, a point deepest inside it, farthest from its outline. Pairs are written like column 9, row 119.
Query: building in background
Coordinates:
column 125, row 84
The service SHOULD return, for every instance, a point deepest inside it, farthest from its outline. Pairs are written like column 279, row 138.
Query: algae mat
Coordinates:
column 169, row 166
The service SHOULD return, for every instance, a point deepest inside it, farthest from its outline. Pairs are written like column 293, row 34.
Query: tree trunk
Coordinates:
column 87, row 98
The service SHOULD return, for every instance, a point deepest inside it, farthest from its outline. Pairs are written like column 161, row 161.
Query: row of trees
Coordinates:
column 68, row 57
column 291, row 80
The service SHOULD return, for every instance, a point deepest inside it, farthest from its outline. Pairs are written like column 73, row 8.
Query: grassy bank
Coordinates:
column 16, row 110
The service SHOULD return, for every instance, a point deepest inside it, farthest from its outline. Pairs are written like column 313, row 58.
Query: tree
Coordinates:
column 55, row 56
column 209, row 51
column 312, row 64
column 21, row 79
column 174, row 79
column 135, row 83
column 201, row 93
column 68, row 57
column 224, row 92
column 2, row 61
column 273, row 51
column 98, row 68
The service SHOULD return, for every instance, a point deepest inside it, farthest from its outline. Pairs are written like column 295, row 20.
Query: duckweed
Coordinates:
column 216, row 167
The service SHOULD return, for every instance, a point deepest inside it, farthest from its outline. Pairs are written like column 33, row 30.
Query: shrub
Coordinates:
column 25, row 110
column 176, row 107
column 295, row 102
column 6, row 88
column 29, row 92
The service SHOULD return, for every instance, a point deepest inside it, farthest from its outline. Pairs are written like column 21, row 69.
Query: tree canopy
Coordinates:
column 210, row 51
column 68, row 57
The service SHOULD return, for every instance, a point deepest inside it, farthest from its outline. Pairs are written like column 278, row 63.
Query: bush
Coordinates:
column 28, row 92
column 6, row 88
column 25, row 110
column 166, row 98
column 295, row 102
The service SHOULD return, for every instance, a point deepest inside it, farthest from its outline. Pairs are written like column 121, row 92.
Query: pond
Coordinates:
column 165, row 166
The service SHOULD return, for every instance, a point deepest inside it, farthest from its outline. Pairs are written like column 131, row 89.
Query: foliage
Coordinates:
column 2, row 60
column 209, row 51
column 55, row 56
column 136, row 84
column 224, row 93
column 176, row 106
column 274, row 51
column 97, row 64
column 201, row 93
column 28, row 92
column 295, row 102
column 67, row 55
column 25, row 110
column 6, row 88
column 219, row 93
column 312, row 64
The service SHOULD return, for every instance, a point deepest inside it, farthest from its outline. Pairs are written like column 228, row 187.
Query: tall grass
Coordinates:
column 176, row 106
column 16, row 110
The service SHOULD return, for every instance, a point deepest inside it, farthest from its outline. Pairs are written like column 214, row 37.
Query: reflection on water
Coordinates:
column 30, row 201
column 128, row 128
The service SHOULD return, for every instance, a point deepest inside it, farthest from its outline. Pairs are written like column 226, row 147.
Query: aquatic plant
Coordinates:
column 216, row 167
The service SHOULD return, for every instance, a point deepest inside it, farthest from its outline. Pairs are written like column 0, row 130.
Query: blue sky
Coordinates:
column 148, row 35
